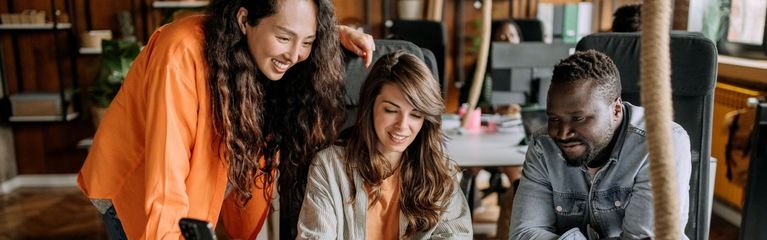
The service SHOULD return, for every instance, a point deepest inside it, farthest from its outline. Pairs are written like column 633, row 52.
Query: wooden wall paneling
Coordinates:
column 454, row 51
column 107, row 20
column 681, row 9
column 37, row 53
column 501, row 9
column 368, row 18
column 471, row 24
column 562, row 1
column 46, row 148
column 30, row 149
column 86, row 15
column 152, row 16
column 368, row 13
column 9, row 76
column 605, row 15
column 348, row 12
column 376, row 19
column 68, row 69
column 39, row 61
column 595, row 15
column 523, row 8
column 516, row 8
column 388, row 11
column 139, row 11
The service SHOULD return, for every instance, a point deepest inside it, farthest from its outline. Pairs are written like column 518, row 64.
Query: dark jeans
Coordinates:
column 113, row 225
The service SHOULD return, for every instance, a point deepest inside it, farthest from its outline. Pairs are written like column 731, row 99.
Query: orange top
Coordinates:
column 154, row 153
column 383, row 216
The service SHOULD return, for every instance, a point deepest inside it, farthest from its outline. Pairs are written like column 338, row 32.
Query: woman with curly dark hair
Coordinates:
column 389, row 176
column 212, row 109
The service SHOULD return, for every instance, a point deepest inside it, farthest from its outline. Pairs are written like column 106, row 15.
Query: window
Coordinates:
column 745, row 29
column 747, row 21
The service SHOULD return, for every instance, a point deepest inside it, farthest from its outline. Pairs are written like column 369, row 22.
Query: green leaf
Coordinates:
column 116, row 58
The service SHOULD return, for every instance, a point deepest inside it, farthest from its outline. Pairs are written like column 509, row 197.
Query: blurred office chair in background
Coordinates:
column 426, row 34
column 693, row 77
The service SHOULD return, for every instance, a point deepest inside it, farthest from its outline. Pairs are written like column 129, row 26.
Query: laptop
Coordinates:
column 534, row 117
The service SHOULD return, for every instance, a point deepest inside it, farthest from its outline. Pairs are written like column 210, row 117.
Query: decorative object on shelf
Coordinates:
column 126, row 26
column 29, row 16
column 116, row 58
column 61, row 17
column 40, row 104
column 410, row 9
column 92, row 39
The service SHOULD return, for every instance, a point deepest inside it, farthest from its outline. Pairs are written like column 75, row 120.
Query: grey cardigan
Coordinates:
column 328, row 214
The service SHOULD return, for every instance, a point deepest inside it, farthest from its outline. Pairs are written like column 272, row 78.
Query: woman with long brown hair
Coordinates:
column 211, row 109
column 388, row 177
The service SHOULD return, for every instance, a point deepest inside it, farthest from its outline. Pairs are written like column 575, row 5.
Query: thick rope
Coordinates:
column 484, row 52
column 656, row 98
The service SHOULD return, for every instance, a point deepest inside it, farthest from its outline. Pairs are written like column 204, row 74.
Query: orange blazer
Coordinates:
column 154, row 155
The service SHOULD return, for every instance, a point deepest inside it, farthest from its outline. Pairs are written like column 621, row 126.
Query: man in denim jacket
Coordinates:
column 588, row 178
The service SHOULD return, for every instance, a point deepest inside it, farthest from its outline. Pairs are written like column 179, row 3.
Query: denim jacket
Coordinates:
column 556, row 201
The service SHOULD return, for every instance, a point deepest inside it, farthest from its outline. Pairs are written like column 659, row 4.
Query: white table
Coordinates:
column 482, row 149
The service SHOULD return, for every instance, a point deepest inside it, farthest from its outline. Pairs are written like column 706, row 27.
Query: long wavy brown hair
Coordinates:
column 427, row 182
column 284, row 122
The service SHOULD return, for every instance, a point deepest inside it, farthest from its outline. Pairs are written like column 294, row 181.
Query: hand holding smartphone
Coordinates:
column 194, row 229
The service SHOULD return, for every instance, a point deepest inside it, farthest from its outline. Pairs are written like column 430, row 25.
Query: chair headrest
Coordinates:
column 691, row 56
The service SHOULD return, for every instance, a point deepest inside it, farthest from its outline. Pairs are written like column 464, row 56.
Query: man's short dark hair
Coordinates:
column 627, row 18
column 590, row 66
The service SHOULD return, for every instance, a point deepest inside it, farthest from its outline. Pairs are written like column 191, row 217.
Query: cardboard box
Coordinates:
column 38, row 104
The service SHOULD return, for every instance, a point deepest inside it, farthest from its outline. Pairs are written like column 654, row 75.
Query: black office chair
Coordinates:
column 426, row 34
column 531, row 29
column 693, row 77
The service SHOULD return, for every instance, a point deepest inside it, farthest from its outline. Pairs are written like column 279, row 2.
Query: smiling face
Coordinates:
column 581, row 122
column 396, row 122
column 280, row 41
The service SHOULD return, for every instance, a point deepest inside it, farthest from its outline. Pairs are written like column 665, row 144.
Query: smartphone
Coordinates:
column 195, row 229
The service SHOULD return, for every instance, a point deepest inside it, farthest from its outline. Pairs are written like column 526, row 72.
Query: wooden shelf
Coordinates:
column 54, row 118
column 44, row 26
column 94, row 51
column 179, row 4
column 742, row 71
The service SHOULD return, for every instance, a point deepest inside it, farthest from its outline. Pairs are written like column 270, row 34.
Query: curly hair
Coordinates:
column 284, row 122
column 424, row 166
column 590, row 66
column 627, row 18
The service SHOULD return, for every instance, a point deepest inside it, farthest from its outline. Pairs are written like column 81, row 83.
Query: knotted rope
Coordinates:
column 655, row 71
column 484, row 52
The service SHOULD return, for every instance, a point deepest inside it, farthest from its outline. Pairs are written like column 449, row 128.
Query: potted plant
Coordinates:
column 410, row 9
column 116, row 58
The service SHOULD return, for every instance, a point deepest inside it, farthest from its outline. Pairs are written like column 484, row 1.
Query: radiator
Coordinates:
column 727, row 98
